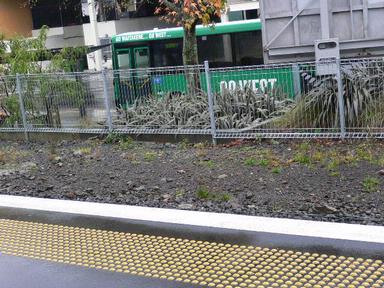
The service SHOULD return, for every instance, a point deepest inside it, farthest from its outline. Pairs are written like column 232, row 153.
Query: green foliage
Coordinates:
column 304, row 146
column 335, row 174
column 318, row 156
column 264, row 162
column 126, row 143
column 250, row 161
column 69, row 59
column 113, row 138
column 26, row 57
column 276, row 170
column 180, row 192
column 26, row 54
column 364, row 153
column 83, row 150
column 150, row 156
column 209, row 164
column 226, row 197
column 333, row 164
column 184, row 144
column 11, row 104
column 302, row 158
column 203, row 193
column 371, row 184
column 362, row 93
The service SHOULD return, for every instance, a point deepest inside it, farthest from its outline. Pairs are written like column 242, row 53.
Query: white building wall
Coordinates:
column 71, row 36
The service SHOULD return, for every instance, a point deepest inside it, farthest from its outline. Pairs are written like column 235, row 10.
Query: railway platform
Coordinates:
column 57, row 243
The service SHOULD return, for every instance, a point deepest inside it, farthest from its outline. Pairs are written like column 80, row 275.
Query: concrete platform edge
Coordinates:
column 352, row 232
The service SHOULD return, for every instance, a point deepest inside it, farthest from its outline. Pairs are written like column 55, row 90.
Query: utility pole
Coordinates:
column 324, row 14
column 96, row 40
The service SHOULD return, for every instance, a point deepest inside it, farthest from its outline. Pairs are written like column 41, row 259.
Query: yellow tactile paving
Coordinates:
column 189, row 261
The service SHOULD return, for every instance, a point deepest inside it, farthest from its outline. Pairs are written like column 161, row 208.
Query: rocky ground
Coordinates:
column 328, row 181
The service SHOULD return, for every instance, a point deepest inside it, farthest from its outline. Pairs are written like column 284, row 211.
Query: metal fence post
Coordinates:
column 210, row 102
column 340, row 99
column 106, row 99
column 22, row 108
column 296, row 80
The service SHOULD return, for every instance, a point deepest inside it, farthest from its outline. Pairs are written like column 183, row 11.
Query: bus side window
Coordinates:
column 248, row 48
column 167, row 53
column 216, row 49
column 123, row 61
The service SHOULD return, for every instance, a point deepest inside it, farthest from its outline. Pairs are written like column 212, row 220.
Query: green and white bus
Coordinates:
column 228, row 44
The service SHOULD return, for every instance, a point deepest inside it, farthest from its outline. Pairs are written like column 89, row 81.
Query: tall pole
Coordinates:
column 324, row 15
column 95, row 32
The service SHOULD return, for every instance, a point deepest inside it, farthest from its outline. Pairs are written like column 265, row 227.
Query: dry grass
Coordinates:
column 10, row 155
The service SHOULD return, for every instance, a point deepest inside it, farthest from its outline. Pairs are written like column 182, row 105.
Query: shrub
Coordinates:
column 250, row 162
column 371, row 184
column 203, row 193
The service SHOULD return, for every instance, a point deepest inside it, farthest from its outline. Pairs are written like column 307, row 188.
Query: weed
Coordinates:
column 203, row 193
column 201, row 145
column 302, row 158
column 380, row 161
column 334, row 174
column 84, row 150
column 264, row 162
column 250, row 162
column 226, row 197
column 11, row 155
column 210, row 164
column 184, row 143
column 126, row 143
column 180, row 192
column 333, row 165
column 3, row 157
column 112, row 138
column 276, row 170
column 364, row 153
column 371, row 184
column 201, row 153
column 52, row 149
column 318, row 156
column 150, row 156
column 247, row 148
column 304, row 146
column 350, row 158
column 258, row 139
column 275, row 142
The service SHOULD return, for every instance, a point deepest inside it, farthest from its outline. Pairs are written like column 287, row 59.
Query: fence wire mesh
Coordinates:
column 298, row 100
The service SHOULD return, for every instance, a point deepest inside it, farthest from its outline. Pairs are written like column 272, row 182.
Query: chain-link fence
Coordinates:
column 327, row 100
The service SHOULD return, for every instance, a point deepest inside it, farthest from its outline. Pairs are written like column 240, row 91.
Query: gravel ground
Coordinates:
column 327, row 181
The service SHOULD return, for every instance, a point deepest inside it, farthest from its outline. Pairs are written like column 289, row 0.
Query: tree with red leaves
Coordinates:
column 189, row 13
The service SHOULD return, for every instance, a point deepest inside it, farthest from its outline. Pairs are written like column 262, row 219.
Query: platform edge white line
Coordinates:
column 352, row 232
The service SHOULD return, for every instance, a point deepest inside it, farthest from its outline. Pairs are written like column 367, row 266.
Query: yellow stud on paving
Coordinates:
column 189, row 261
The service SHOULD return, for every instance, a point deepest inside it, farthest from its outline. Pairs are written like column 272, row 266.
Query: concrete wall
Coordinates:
column 15, row 18
column 60, row 37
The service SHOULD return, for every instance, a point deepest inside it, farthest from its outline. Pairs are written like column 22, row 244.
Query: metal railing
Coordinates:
column 325, row 100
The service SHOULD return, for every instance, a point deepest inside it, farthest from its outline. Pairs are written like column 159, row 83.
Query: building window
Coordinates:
column 137, row 8
column 56, row 13
column 243, row 15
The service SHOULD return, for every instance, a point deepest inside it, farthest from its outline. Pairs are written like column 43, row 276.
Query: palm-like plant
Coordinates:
column 363, row 96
